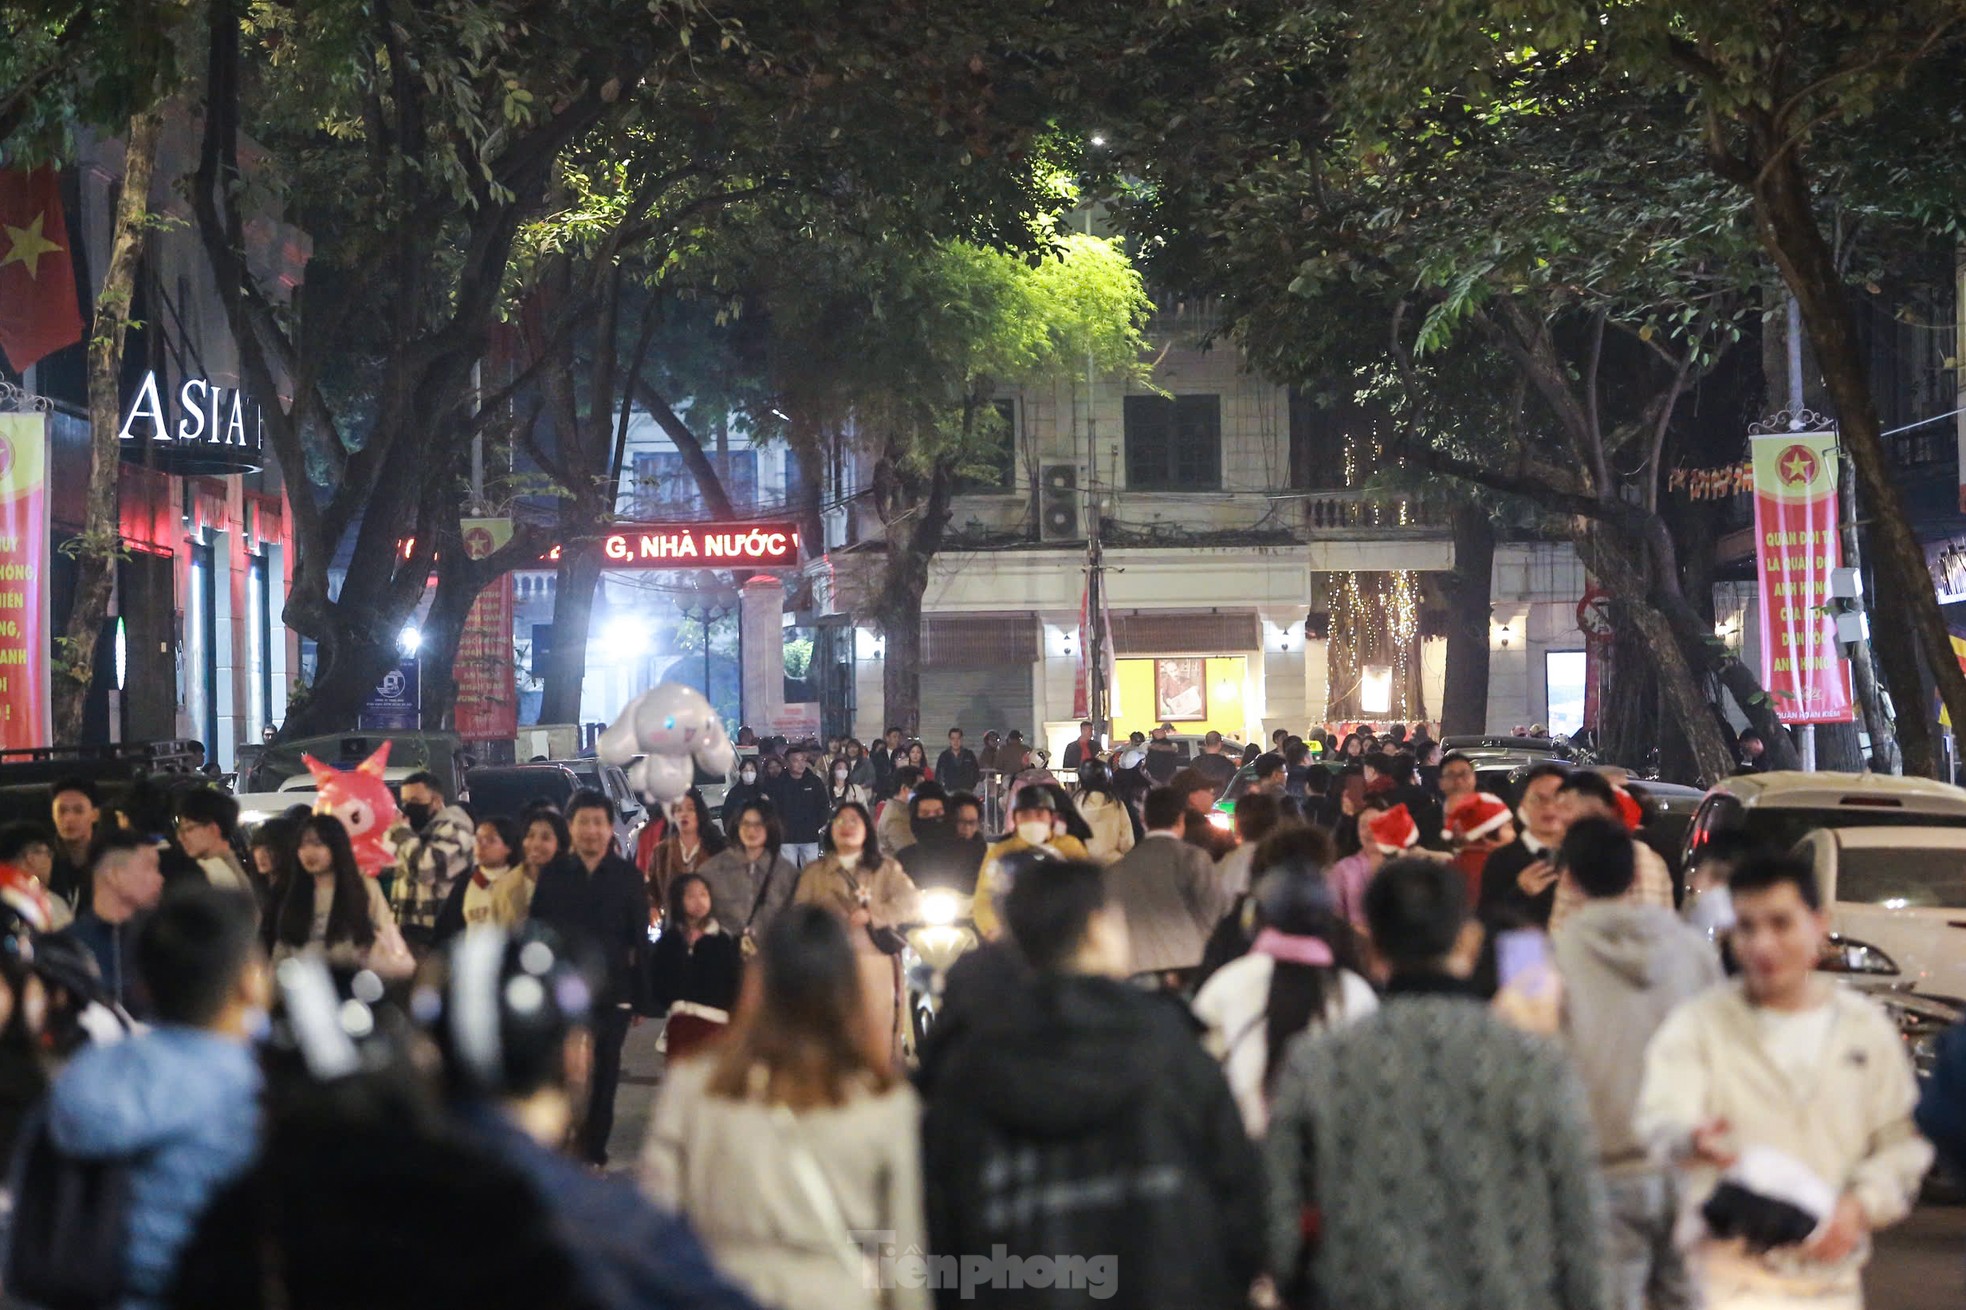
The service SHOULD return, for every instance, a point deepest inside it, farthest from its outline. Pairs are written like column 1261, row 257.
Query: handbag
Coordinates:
column 389, row 956
column 861, row 1264
column 747, row 944
column 888, row 941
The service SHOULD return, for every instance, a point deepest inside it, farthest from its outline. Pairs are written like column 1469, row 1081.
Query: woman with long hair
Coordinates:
column 840, row 786
column 794, row 1132
column 329, row 904
column 918, row 759
column 750, row 882
column 693, row 969
column 872, row 896
column 693, row 838
column 1301, row 972
column 1109, row 827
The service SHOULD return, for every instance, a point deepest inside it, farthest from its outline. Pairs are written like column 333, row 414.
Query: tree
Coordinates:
column 1788, row 101
column 896, row 351
column 62, row 65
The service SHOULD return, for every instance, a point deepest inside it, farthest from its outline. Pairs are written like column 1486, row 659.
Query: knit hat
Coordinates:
column 1393, row 831
column 1477, row 817
column 1768, row 1199
column 1630, row 812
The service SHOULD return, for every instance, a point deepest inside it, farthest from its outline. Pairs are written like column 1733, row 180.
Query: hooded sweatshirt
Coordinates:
column 1079, row 1117
column 184, row 1105
column 1625, row 968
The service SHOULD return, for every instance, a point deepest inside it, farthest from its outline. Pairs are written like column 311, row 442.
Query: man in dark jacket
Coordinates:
column 1073, row 1117
column 957, row 768
column 1518, row 883
column 76, row 808
column 124, row 886
column 593, row 896
column 886, row 757
column 803, row 808
column 939, row 857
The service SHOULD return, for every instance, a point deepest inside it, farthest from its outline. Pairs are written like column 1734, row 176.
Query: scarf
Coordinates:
column 480, row 881
column 1288, row 949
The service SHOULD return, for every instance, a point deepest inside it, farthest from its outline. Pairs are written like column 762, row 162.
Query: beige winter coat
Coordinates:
column 741, row 1172
column 1112, row 831
column 1852, row 1125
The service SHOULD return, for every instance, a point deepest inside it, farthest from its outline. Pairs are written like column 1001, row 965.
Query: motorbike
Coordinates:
column 943, row 935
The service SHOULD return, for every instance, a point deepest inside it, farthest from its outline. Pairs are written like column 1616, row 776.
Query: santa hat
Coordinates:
column 1393, row 830
column 1477, row 817
column 1630, row 812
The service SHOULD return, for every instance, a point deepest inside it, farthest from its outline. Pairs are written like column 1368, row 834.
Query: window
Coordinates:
column 259, row 645
column 665, row 488
column 1566, row 679
column 993, row 465
column 202, row 700
column 1174, row 443
column 1317, row 445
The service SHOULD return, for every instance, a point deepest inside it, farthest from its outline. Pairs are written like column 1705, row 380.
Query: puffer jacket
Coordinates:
column 1112, row 830
column 1079, row 1117
column 184, row 1105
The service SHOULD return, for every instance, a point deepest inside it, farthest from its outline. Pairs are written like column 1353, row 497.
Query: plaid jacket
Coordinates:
column 428, row 863
column 1651, row 885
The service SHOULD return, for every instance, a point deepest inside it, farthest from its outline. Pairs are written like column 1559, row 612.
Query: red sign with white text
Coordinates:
column 1797, row 544
column 24, row 689
column 699, row 545
column 487, row 693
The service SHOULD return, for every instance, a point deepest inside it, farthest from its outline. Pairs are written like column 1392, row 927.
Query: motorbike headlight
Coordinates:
column 1222, row 819
column 941, row 907
column 1846, row 955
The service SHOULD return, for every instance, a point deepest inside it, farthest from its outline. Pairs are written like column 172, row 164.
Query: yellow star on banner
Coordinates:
column 28, row 245
column 1798, row 468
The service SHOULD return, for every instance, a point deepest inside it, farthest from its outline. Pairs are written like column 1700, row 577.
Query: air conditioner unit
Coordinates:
column 1058, row 502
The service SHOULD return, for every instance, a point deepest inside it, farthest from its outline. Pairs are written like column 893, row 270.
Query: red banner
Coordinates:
column 487, row 695
column 24, row 645
column 1796, row 547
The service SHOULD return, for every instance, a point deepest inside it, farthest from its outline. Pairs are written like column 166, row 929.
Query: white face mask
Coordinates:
column 748, row 775
column 1035, row 831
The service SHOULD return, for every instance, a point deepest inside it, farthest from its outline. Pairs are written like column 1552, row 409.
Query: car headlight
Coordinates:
column 941, row 907
column 1847, row 955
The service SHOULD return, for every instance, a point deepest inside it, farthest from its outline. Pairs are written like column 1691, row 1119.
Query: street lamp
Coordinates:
column 409, row 639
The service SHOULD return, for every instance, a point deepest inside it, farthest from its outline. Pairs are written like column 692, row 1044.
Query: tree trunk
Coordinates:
column 1909, row 607
column 1470, row 591
column 350, row 667
column 101, row 542
column 900, row 616
column 573, row 613
column 715, row 499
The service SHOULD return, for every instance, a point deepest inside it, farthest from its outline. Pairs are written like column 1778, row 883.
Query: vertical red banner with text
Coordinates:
column 1796, row 547
column 487, row 693
column 24, row 692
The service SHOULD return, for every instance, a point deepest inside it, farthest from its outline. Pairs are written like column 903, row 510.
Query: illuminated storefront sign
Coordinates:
column 699, row 545
column 207, row 428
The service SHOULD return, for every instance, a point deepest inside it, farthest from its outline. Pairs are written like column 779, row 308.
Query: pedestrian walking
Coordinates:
column 692, row 841
column 799, row 796
column 1106, row 816
column 1301, row 973
column 840, row 787
column 957, row 768
column 872, row 896
column 1585, row 794
column 593, row 897
column 1166, row 890
column 746, row 789
column 1072, row 1118
column 175, row 1108
column 332, row 907
column 1478, row 825
column 1784, row 1090
column 1624, row 968
column 1034, row 826
column 496, row 893
column 76, row 810
column 123, row 886
column 1518, row 882
column 1257, row 816
column 434, row 845
column 941, row 857
column 206, row 822
column 795, row 1135
column 750, row 881
column 1441, row 1158
column 693, row 970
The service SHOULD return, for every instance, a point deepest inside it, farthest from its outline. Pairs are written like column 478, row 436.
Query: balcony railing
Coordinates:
column 1353, row 510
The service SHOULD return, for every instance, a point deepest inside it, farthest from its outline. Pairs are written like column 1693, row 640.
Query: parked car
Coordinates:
column 513, row 788
column 1897, row 902
column 26, row 774
column 1780, row 809
column 441, row 753
column 256, row 808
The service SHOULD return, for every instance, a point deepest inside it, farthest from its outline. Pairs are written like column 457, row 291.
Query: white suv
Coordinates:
column 1778, row 810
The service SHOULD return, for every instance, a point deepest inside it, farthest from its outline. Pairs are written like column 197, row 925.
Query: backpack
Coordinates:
column 70, row 1227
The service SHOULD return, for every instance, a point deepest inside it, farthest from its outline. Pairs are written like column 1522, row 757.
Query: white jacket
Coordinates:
column 1852, row 1125
column 1112, row 830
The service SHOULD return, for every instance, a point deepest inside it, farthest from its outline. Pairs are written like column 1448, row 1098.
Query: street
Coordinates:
column 1919, row 1264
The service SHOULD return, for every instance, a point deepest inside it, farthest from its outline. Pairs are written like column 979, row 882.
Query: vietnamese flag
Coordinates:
column 38, row 312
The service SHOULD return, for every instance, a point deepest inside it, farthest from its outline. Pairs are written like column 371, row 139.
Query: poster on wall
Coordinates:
column 485, row 670
column 24, row 644
column 1180, row 690
column 1797, row 545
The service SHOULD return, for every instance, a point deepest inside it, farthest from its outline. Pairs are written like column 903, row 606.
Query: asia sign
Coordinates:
column 1797, row 545
column 206, row 427
column 700, row 545
column 24, row 632
column 487, row 694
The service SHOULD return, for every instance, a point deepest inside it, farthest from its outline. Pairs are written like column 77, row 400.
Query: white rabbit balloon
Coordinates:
column 675, row 731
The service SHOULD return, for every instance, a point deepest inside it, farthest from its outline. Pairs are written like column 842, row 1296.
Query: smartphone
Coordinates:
column 1521, row 953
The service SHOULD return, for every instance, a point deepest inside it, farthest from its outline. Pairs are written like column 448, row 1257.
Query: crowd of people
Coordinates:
column 1376, row 1039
